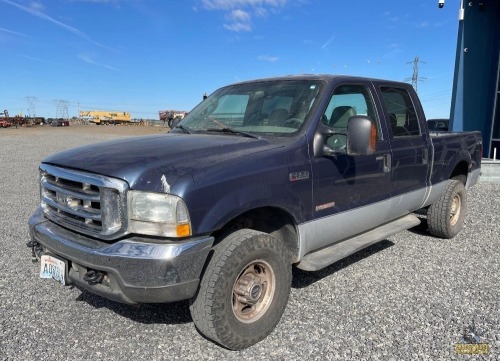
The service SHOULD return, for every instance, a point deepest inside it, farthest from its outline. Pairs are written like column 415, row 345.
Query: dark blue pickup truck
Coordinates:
column 261, row 176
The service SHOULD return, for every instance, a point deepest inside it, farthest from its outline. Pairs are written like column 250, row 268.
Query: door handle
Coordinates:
column 425, row 156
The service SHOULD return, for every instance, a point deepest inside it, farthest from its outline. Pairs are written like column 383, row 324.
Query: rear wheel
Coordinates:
column 244, row 290
column 445, row 218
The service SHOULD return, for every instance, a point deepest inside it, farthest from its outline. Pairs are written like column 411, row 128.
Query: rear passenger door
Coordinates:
column 409, row 144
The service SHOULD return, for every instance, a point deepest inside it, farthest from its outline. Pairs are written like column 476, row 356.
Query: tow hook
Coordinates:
column 93, row 277
column 36, row 250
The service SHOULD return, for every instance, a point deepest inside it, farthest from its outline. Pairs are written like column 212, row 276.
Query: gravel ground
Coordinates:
column 408, row 297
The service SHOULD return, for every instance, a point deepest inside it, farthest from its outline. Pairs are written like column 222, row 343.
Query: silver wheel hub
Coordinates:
column 249, row 289
column 253, row 291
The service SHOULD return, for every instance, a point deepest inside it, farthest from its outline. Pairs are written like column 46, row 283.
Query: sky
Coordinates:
column 145, row 56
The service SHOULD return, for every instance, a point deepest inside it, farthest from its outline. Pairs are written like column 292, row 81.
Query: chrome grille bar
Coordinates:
column 81, row 201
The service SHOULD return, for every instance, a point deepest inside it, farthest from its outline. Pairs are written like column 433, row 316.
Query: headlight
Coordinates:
column 158, row 214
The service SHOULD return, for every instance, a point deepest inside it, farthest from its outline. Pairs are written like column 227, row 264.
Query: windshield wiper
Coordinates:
column 228, row 130
column 183, row 128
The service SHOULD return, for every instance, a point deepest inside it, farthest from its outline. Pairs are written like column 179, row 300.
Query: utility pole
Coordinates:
column 415, row 78
column 31, row 100
column 61, row 108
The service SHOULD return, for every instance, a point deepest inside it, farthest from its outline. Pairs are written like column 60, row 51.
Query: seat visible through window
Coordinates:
column 340, row 116
column 397, row 131
column 278, row 116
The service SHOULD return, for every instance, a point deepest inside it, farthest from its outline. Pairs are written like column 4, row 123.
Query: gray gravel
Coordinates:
column 408, row 297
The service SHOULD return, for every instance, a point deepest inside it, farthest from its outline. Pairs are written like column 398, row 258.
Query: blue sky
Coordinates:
column 146, row 56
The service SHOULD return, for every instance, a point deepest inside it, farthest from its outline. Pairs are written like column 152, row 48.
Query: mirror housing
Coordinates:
column 320, row 148
column 174, row 122
column 361, row 135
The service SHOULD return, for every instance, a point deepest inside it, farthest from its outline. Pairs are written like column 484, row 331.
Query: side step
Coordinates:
column 324, row 257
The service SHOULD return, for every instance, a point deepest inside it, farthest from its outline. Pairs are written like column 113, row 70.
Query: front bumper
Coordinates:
column 136, row 270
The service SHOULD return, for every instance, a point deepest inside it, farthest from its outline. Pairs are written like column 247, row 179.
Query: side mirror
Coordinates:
column 174, row 122
column 361, row 135
column 320, row 147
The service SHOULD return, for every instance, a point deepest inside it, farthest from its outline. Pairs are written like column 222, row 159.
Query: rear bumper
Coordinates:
column 136, row 270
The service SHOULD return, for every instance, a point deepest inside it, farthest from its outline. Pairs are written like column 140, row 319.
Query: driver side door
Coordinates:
column 349, row 191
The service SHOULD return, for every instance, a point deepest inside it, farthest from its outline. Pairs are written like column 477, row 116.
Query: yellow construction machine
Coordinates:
column 106, row 117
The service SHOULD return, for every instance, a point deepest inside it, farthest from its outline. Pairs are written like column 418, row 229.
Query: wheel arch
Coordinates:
column 272, row 220
column 460, row 171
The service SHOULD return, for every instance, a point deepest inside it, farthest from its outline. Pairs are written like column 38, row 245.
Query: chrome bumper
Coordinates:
column 136, row 270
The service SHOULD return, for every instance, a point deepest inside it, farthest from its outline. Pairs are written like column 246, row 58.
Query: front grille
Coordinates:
column 87, row 203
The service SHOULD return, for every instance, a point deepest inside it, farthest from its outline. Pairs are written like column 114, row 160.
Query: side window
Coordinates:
column 402, row 115
column 346, row 101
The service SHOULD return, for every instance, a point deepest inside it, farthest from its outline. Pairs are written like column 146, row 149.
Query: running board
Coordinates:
column 324, row 257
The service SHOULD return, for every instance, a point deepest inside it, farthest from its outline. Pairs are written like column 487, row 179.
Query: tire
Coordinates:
column 445, row 218
column 244, row 290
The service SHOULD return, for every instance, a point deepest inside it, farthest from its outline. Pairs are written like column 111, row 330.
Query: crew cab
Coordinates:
column 262, row 176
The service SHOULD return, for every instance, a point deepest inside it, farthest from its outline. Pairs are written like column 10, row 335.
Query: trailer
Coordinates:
column 106, row 117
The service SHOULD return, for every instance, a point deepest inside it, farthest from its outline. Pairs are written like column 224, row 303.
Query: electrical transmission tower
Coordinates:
column 61, row 108
column 31, row 106
column 415, row 78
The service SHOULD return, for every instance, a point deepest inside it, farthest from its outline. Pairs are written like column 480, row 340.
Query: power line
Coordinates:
column 61, row 108
column 31, row 100
column 415, row 78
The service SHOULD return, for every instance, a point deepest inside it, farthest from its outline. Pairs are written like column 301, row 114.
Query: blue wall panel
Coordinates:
column 476, row 69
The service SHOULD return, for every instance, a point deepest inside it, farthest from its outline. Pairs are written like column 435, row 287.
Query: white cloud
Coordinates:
column 35, row 10
column 239, row 20
column 35, row 59
column 239, row 13
column 261, row 12
column 269, row 58
column 235, row 26
column 328, row 42
column 235, row 4
column 12, row 32
column 37, row 6
column 88, row 59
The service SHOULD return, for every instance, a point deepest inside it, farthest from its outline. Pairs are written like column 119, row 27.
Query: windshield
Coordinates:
column 275, row 107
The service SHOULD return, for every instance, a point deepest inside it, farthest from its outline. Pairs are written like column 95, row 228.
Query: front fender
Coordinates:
column 223, row 193
column 247, row 198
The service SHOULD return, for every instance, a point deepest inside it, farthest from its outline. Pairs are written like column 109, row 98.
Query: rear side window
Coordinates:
column 402, row 115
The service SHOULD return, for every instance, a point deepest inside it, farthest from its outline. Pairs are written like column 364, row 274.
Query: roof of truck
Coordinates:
column 324, row 77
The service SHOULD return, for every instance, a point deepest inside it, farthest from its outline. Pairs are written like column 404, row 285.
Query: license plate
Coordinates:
column 52, row 267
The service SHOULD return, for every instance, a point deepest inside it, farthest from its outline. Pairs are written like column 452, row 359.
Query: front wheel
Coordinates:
column 445, row 218
column 244, row 290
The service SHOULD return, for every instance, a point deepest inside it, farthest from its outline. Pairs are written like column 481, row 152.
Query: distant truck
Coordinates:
column 59, row 122
column 261, row 176
column 169, row 116
column 5, row 123
column 438, row 124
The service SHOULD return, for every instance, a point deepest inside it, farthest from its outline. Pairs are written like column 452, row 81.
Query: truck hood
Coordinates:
column 158, row 162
